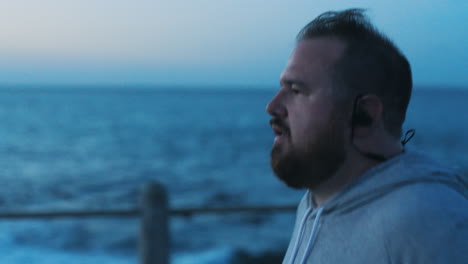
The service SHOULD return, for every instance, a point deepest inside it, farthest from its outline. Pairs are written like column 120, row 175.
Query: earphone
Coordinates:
column 359, row 115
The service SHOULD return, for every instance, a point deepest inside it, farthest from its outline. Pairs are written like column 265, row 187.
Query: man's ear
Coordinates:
column 368, row 114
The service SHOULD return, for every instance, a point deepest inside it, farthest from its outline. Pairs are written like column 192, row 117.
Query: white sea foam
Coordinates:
column 20, row 255
column 212, row 256
column 28, row 255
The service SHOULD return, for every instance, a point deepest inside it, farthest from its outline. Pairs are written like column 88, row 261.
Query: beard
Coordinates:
column 315, row 162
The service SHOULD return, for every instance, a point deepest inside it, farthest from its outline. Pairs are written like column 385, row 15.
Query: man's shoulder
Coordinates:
column 420, row 186
column 425, row 223
column 425, row 216
column 424, row 201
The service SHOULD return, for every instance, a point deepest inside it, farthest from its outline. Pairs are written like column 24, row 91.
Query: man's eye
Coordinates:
column 295, row 89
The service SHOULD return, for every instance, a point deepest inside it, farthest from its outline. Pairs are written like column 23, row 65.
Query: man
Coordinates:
column 337, row 121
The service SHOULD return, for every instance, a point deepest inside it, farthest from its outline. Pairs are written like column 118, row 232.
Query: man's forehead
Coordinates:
column 324, row 48
column 313, row 55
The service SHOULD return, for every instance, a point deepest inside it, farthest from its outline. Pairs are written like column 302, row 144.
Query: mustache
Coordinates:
column 280, row 124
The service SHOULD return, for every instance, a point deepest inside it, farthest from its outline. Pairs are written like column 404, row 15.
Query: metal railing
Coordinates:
column 154, row 214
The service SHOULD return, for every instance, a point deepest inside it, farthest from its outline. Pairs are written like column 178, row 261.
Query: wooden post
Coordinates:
column 154, row 226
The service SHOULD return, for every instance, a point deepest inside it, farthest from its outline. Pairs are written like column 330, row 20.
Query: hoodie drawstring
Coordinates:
column 312, row 236
column 301, row 234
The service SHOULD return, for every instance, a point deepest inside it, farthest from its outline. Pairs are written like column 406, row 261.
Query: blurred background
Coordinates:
column 98, row 98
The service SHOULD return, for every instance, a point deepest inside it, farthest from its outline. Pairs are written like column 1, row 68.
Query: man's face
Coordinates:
column 309, row 128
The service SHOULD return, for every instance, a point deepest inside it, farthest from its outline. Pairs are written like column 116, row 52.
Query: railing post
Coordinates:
column 154, row 226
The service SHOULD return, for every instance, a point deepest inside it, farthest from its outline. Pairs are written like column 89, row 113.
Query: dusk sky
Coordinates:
column 207, row 42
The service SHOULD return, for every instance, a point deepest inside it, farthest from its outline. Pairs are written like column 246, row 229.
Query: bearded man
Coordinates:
column 337, row 121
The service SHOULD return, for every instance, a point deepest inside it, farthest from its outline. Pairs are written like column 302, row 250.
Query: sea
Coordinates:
column 96, row 148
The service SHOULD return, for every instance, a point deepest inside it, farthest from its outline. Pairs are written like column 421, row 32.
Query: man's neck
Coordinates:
column 354, row 167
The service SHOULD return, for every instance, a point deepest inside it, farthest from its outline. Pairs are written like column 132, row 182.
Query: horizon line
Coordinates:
column 6, row 87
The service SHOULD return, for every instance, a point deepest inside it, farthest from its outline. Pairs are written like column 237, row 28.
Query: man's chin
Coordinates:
column 293, row 184
column 285, row 166
column 299, row 171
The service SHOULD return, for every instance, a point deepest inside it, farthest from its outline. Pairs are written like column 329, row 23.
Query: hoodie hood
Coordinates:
column 407, row 168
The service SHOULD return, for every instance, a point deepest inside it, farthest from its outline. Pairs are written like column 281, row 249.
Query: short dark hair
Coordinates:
column 370, row 63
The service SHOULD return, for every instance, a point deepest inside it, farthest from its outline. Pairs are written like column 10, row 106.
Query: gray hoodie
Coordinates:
column 405, row 210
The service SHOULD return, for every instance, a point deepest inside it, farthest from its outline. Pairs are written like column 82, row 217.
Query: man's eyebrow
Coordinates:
column 291, row 82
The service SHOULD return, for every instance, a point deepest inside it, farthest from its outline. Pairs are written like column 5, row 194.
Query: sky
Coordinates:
column 216, row 43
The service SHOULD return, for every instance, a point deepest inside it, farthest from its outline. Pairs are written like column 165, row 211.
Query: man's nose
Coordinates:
column 276, row 107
